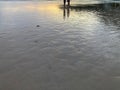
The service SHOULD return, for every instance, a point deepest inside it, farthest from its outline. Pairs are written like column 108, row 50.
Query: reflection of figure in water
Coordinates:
column 66, row 11
column 68, row 1
column 64, row 14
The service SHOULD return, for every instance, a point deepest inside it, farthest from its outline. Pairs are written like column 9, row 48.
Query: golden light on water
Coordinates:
column 86, row 18
column 49, row 8
column 46, row 7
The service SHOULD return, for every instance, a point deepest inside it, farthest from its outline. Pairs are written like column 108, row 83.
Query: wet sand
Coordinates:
column 71, row 49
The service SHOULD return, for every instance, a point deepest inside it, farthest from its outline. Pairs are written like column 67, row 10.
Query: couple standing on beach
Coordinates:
column 68, row 1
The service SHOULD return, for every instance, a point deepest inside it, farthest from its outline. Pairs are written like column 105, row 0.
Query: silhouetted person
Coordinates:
column 64, row 1
column 68, row 1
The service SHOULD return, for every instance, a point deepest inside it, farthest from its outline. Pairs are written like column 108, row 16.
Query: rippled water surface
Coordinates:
column 44, row 46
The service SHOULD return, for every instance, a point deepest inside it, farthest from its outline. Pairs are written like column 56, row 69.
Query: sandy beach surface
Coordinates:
column 46, row 47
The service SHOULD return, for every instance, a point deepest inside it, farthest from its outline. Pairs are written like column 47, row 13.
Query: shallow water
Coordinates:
column 76, row 48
